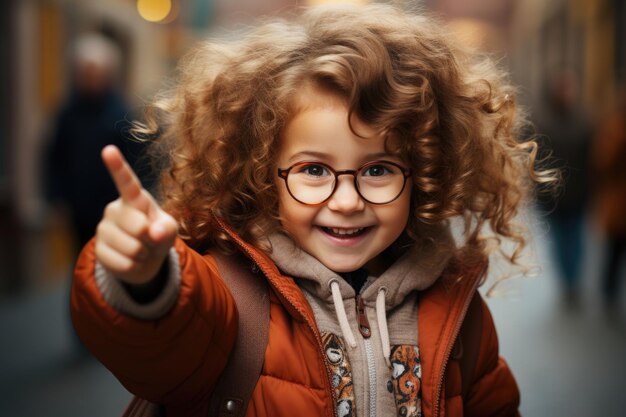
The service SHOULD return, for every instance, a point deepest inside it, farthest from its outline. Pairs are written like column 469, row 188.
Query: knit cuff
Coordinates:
column 118, row 297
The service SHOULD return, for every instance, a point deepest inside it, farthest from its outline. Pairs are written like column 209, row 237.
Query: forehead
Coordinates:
column 318, row 129
column 320, row 124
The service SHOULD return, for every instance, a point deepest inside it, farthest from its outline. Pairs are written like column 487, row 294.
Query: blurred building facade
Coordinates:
column 531, row 37
column 37, row 71
column 586, row 36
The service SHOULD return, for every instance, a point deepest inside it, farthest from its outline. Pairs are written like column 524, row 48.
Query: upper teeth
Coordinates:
column 346, row 231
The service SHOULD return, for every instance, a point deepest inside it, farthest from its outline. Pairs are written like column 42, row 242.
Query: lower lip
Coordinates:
column 346, row 241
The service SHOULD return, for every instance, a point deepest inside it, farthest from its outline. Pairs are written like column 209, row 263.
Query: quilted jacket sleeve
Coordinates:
column 176, row 358
column 494, row 392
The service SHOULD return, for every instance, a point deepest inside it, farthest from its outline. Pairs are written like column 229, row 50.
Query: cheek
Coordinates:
column 284, row 208
column 397, row 216
column 293, row 215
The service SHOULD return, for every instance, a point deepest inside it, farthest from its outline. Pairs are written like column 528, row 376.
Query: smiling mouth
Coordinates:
column 345, row 233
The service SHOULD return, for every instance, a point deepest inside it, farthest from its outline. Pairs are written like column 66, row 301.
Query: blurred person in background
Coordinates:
column 95, row 115
column 566, row 135
column 609, row 164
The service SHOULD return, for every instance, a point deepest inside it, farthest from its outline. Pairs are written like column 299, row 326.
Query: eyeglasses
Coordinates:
column 377, row 182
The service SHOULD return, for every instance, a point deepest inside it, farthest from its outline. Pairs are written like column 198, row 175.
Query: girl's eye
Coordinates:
column 315, row 170
column 377, row 171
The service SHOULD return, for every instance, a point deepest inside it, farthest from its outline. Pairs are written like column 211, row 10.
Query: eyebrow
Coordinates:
column 326, row 156
column 309, row 154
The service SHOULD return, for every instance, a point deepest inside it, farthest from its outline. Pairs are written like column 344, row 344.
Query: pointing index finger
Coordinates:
column 126, row 182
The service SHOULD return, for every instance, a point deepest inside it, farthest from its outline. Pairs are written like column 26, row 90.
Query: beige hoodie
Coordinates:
column 373, row 354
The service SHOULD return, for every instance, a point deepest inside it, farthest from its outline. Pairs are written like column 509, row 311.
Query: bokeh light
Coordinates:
column 154, row 10
column 318, row 2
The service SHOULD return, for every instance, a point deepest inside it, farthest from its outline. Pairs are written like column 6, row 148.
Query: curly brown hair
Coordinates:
column 455, row 114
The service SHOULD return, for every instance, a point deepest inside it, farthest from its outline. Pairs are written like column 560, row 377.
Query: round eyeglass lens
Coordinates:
column 310, row 183
column 380, row 182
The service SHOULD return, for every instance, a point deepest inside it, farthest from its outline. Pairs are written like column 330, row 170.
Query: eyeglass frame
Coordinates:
column 284, row 173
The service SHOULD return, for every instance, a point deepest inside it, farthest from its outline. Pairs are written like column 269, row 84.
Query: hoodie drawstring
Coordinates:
column 381, row 316
column 342, row 318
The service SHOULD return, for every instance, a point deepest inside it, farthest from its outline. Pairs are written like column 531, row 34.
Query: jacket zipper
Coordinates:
column 448, row 353
column 366, row 332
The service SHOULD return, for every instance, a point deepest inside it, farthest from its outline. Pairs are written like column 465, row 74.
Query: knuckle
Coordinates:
column 137, row 250
column 126, row 267
column 140, row 226
column 100, row 230
column 135, row 223
column 98, row 249
column 111, row 209
column 122, row 266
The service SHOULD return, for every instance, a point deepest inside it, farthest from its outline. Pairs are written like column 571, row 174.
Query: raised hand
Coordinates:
column 135, row 234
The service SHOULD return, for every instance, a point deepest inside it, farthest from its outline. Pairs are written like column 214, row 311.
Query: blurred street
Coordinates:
column 567, row 362
column 64, row 62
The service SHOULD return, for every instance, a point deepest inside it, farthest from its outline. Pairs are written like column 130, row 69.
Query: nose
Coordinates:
column 345, row 198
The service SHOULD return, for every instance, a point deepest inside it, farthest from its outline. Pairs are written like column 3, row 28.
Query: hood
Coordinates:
column 415, row 270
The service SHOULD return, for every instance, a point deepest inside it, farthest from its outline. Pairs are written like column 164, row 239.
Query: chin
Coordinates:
column 340, row 266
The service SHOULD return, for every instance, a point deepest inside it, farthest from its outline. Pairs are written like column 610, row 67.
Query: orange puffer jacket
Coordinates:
column 177, row 359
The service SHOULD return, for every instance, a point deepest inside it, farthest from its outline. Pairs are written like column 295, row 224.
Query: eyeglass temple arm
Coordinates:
column 283, row 173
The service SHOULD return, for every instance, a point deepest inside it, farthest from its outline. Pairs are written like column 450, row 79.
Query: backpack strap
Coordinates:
column 234, row 387
column 468, row 343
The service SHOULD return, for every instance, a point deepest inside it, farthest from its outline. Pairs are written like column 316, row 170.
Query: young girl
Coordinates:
column 333, row 151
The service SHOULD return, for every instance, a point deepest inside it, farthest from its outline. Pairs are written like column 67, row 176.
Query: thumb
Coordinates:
column 163, row 229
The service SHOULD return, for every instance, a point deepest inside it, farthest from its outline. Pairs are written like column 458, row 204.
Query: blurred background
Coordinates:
column 74, row 73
